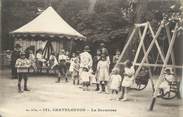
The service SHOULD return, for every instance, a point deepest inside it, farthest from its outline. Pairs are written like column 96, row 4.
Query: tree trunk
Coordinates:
column 141, row 7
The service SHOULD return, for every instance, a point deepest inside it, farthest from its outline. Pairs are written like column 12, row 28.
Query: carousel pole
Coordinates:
column 71, row 45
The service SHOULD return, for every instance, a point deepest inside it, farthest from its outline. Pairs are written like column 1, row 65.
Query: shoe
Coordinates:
column 96, row 89
column 100, row 91
column 120, row 98
column 57, row 81
column 26, row 89
column 124, row 99
column 20, row 91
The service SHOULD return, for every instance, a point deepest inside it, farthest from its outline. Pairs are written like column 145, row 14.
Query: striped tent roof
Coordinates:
column 48, row 23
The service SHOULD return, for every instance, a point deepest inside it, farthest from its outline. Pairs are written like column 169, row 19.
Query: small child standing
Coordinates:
column 102, row 73
column 74, row 69
column 61, row 67
column 128, row 79
column 22, row 65
column 116, row 57
column 85, row 77
column 52, row 61
column 115, row 79
column 71, row 67
column 61, row 70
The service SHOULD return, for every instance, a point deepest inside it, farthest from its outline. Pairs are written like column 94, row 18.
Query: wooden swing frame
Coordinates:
column 145, row 62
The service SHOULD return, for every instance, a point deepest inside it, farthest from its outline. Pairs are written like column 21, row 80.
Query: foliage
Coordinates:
column 106, row 22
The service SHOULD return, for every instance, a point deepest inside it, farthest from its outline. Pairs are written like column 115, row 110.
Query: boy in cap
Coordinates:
column 22, row 65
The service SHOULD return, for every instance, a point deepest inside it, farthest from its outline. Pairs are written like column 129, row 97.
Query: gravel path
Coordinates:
column 50, row 99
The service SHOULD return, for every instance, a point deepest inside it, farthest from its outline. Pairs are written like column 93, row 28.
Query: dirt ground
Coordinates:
column 50, row 99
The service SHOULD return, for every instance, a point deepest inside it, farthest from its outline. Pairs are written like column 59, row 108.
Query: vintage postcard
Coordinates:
column 89, row 58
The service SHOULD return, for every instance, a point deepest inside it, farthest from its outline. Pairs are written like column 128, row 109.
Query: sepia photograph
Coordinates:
column 91, row 58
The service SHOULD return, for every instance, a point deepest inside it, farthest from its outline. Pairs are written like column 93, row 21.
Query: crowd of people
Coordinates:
column 83, row 68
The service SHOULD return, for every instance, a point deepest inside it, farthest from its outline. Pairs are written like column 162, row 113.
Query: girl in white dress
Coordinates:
column 73, row 58
column 115, row 79
column 74, row 69
column 103, row 73
column 52, row 61
column 128, row 79
column 85, row 78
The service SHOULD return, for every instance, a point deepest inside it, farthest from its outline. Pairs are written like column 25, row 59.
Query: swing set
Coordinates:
column 149, row 47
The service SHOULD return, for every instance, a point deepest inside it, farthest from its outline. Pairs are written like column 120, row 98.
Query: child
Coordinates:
column 128, row 79
column 85, row 77
column 142, row 77
column 115, row 79
column 52, row 60
column 22, row 65
column 103, row 73
column 116, row 57
column 96, row 59
column 67, row 63
column 62, row 68
column 71, row 68
column 168, row 78
column 32, row 59
column 74, row 69
column 40, row 60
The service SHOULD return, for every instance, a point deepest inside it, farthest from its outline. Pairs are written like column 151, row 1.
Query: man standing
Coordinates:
column 15, row 55
column 96, row 59
column 86, row 59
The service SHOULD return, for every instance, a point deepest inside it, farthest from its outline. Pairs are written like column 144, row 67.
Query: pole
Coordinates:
column 126, row 46
column 164, row 65
column 147, row 60
column 141, row 43
column 169, row 39
column 71, row 46
column 148, row 50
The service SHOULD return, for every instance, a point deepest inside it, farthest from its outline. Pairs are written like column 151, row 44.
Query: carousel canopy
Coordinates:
column 48, row 23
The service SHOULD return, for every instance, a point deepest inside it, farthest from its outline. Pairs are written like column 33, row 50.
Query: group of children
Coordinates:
column 85, row 70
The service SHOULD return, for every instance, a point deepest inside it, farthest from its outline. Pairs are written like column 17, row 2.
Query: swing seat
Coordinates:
column 142, row 78
column 172, row 93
